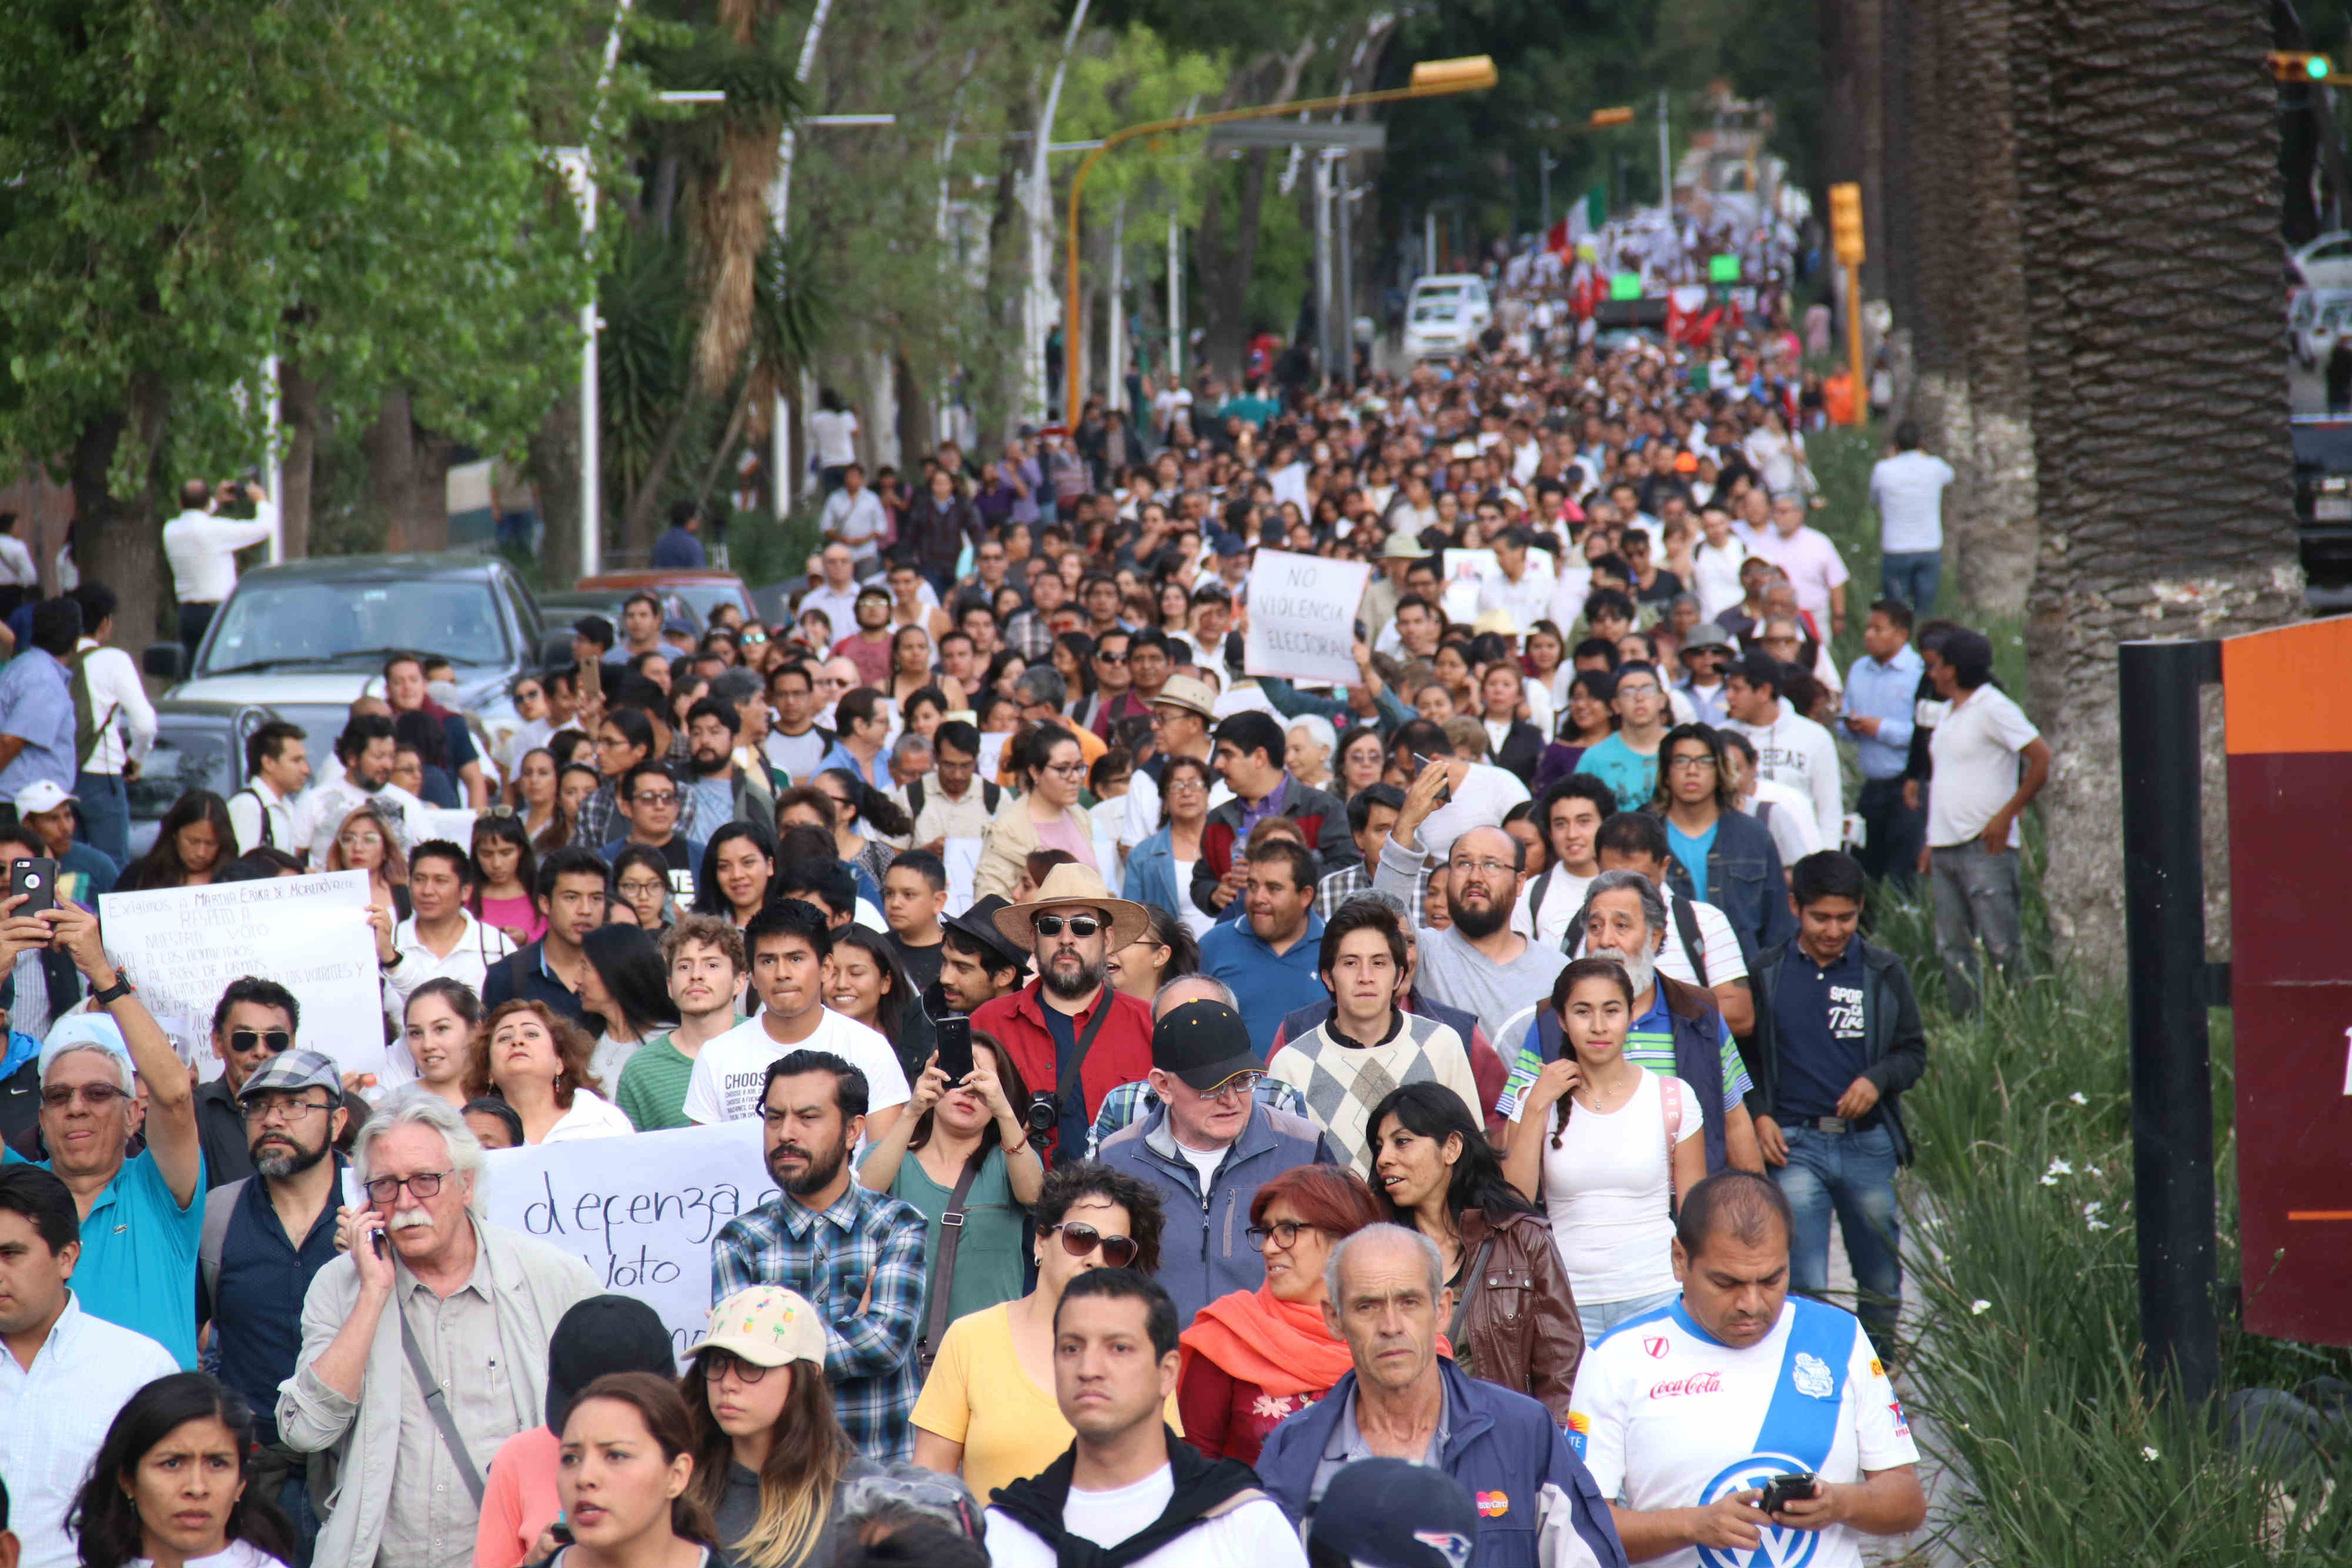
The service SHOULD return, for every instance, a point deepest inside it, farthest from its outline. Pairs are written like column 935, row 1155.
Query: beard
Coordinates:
column 1640, row 968
column 281, row 1161
column 1478, row 924
column 816, row 1176
column 708, row 765
column 1062, row 982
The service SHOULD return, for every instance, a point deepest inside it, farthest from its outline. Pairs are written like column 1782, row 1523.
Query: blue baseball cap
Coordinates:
column 1392, row 1513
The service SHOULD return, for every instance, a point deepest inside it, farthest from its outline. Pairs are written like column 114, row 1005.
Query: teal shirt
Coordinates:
column 1633, row 777
column 138, row 1267
column 1693, row 852
column 989, row 1259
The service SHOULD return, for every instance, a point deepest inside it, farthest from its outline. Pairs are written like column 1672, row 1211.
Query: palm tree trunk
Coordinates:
column 2153, row 273
column 1938, row 336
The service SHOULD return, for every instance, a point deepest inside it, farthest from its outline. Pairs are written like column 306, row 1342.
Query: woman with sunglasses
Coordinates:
column 987, row 1411
column 770, row 1456
column 1251, row 1357
column 506, row 874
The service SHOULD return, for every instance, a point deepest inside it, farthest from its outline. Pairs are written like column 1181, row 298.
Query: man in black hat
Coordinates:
column 977, row 965
column 1208, row 1146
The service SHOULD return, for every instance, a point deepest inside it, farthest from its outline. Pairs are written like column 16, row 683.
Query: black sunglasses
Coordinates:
column 1079, row 1239
column 1079, row 924
column 243, row 1039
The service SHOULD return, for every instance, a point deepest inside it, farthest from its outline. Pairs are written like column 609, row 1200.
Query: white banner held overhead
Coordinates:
column 640, row 1210
column 1302, row 616
column 183, row 946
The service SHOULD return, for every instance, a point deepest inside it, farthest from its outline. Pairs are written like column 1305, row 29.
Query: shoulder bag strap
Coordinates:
column 1686, row 927
column 437, row 1406
column 935, row 1310
column 1071, row 1078
column 269, row 838
column 220, row 1207
column 1469, row 1289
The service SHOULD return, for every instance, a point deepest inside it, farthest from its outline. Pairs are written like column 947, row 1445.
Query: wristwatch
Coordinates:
column 115, row 992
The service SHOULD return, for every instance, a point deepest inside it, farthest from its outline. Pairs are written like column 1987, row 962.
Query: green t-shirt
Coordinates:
column 652, row 1090
column 988, row 1259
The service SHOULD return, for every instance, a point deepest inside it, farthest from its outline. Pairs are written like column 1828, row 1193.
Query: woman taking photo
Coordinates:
column 1159, row 869
column 1253, row 1357
column 365, row 841
column 954, row 1134
column 625, row 1478
column 1514, row 1320
column 770, row 1456
column 193, row 841
column 1587, row 720
column 438, row 1027
column 1586, row 1143
column 987, row 1411
column 1164, row 952
column 736, row 865
column 624, row 987
column 173, row 1484
column 506, row 875
column 641, row 883
column 1046, row 816
column 537, row 1060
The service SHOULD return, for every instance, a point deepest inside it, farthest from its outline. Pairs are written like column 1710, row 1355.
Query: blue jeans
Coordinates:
column 102, row 814
column 1851, row 1173
column 1911, row 576
column 1600, row 1317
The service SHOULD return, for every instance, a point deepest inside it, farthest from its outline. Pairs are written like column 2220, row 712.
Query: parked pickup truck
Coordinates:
column 307, row 637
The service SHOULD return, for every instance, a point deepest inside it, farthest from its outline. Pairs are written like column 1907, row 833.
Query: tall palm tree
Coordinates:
column 2152, row 269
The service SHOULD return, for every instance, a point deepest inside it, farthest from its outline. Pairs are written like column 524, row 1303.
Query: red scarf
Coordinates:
column 1254, row 1336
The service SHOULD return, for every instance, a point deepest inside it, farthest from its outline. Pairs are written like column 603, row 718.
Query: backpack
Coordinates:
column 990, row 795
column 220, row 1206
column 269, row 835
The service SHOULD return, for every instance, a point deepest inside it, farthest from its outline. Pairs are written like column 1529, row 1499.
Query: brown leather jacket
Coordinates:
column 1520, row 1329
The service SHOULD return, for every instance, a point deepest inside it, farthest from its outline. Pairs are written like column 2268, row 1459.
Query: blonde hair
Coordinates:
column 805, row 1462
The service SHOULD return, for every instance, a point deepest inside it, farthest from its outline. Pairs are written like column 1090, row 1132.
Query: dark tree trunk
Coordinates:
column 1935, row 338
column 118, row 539
column 998, row 383
column 917, row 426
column 298, row 409
column 1224, row 269
column 407, row 477
column 2160, row 223
column 554, row 468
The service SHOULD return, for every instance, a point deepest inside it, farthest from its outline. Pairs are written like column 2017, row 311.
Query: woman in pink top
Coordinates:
column 506, row 876
column 1045, row 817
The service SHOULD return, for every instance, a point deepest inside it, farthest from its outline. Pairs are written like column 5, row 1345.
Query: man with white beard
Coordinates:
column 1676, row 1027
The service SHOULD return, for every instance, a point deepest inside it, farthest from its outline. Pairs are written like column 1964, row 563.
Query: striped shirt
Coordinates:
column 652, row 1090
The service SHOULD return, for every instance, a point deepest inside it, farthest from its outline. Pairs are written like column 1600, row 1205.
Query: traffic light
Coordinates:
column 1846, row 223
column 2297, row 64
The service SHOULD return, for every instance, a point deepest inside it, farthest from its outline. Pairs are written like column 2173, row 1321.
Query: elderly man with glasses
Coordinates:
column 1207, row 1147
column 425, row 1347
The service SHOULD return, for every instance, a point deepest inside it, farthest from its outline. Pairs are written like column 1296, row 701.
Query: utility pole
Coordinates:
column 1347, row 278
column 1428, row 240
column 1323, row 261
column 1545, row 164
column 1115, row 328
column 1040, row 297
column 1665, row 162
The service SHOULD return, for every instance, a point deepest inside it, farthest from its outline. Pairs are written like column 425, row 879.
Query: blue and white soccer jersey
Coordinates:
column 1666, row 1416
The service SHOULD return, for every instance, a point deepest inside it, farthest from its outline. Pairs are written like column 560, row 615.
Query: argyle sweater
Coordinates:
column 1342, row 1082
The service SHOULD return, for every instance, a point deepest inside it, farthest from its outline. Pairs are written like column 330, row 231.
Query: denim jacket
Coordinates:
column 1151, row 874
column 1744, row 880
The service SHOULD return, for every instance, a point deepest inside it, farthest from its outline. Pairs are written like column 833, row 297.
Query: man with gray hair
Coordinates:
column 424, row 1347
column 1384, row 1294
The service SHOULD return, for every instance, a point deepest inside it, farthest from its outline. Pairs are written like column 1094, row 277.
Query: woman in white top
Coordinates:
column 1610, row 1170
column 538, row 1060
column 624, row 986
column 170, row 1484
column 1715, row 565
column 437, row 1026
column 1779, row 455
column 833, row 430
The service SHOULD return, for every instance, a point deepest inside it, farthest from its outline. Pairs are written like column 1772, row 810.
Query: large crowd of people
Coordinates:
column 1214, row 1119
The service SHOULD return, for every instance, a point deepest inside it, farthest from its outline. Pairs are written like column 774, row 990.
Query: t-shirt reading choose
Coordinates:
column 732, row 1071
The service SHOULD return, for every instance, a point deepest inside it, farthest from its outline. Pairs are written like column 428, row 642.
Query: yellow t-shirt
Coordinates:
column 977, row 1395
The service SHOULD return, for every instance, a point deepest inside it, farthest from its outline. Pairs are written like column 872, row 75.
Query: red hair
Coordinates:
column 1333, row 1199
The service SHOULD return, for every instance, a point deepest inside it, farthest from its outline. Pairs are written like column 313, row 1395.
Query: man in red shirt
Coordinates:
column 1069, row 1029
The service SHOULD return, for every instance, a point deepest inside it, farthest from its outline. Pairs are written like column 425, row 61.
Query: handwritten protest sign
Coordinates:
column 641, row 1211
column 992, row 753
column 963, row 860
column 1302, row 615
column 310, row 934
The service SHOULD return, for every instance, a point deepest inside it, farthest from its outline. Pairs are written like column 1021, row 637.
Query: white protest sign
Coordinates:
column 992, row 753
column 640, row 1210
column 1302, row 614
column 963, row 860
column 1464, row 568
column 310, row 934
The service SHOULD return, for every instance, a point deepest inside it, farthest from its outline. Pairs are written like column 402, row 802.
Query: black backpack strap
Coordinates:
column 1686, row 927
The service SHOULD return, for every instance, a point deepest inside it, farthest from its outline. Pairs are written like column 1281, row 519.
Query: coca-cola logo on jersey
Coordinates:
column 1696, row 1383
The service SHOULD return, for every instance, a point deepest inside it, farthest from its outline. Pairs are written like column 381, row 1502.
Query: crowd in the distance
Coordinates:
column 1214, row 1120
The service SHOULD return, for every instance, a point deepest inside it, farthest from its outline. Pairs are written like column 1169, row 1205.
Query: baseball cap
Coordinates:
column 603, row 1334
column 1393, row 1513
column 1707, row 635
column 86, row 1031
column 299, row 1068
column 43, row 795
column 678, row 625
column 1203, row 1043
column 767, row 1325
column 1187, row 692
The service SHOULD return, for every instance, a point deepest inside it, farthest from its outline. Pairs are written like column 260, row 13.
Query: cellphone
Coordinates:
column 375, row 1240
column 1446, row 793
column 955, row 1047
column 37, row 881
column 1783, row 1491
column 561, row 1531
column 591, row 681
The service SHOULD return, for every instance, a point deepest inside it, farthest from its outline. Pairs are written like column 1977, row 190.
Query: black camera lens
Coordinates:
column 1044, row 1113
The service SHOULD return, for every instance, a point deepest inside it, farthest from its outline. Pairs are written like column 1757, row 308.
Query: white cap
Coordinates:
column 45, row 795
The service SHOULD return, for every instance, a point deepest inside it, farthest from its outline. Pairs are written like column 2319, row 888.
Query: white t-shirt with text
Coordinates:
column 731, row 1071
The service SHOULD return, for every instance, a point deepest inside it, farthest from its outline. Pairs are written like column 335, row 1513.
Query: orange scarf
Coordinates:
column 1254, row 1336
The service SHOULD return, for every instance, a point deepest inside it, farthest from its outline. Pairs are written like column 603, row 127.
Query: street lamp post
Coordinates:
column 1431, row 79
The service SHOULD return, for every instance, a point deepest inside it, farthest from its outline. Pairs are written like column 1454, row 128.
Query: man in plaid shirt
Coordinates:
column 856, row 1255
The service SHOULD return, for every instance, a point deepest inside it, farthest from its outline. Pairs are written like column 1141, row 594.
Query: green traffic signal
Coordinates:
column 2316, row 68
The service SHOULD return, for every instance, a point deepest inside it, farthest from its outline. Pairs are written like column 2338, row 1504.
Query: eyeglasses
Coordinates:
column 500, row 812
column 287, row 1110
column 425, row 1184
column 1282, row 1233
column 1489, row 867
column 1078, row 1239
column 1242, row 1083
column 1067, row 769
column 243, row 1039
column 642, row 890
column 1081, row 926
column 358, row 841
column 718, row 1364
column 1691, row 764
column 1110, row 658
column 654, row 798
column 1637, row 691
column 97, row 1096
